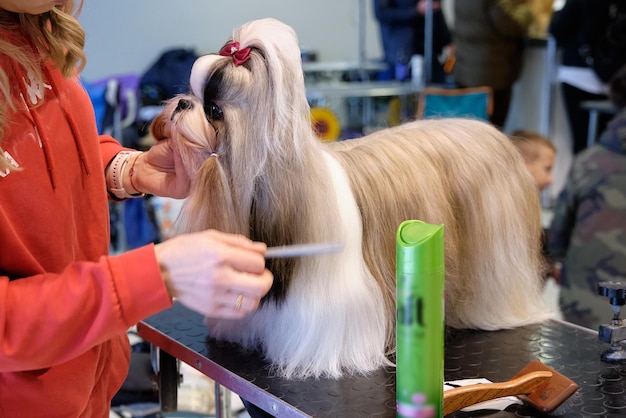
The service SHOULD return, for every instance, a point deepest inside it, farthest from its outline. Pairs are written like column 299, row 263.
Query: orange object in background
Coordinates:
column 325, row 124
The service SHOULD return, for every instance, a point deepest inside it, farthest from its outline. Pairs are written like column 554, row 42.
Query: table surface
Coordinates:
column 340, row 66
column 603, row 106
column 364, row 89
column 496, row 355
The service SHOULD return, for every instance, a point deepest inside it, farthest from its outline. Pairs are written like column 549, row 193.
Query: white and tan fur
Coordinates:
column 262, row 172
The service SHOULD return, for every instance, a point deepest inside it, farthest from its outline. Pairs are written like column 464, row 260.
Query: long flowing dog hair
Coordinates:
column 257, row 168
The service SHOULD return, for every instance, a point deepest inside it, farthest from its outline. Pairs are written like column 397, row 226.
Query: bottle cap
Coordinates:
column 419, row 247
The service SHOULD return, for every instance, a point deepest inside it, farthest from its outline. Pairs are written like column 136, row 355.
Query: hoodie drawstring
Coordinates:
column 40, row 130
column 39, row 125
column 69, row 115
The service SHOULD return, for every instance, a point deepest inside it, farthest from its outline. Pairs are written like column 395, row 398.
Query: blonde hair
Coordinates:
column 528, row 144
column 58, row 37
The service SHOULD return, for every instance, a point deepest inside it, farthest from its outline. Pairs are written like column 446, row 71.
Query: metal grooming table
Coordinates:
column 497, row 355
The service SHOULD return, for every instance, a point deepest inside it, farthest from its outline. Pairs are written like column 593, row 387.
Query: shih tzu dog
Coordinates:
column 244, row 134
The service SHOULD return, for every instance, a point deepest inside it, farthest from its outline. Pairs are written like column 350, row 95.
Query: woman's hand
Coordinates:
column 158, row 171
column 215, row 273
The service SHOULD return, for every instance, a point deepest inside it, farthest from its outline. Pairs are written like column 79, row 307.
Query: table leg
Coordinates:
column 593, row 127
column 168, row 382
column 222, row 402
column 368, row 113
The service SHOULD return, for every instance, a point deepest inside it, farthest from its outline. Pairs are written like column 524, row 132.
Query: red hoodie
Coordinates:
column 64, row 304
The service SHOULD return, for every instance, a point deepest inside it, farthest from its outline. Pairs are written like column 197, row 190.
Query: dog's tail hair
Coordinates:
column 471, row 179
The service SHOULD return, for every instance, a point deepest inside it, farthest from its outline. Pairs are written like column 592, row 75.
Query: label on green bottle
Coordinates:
column 420, row 273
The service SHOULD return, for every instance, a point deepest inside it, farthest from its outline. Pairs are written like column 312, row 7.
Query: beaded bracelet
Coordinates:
column 116, row 175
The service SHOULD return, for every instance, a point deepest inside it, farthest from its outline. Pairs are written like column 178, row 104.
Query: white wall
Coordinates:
column 126, row 36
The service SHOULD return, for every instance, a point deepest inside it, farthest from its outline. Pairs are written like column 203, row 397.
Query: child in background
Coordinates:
column 539, row 154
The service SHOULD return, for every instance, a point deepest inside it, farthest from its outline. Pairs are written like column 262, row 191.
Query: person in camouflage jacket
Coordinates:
column 588, row 231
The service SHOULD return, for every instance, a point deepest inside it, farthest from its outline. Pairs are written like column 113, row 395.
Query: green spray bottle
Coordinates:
column 420, row 272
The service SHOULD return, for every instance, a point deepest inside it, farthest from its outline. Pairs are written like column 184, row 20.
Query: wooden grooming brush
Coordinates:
column 537, row 384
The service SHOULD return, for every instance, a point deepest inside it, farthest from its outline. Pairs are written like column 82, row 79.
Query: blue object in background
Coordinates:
column 471, row 102
column 97, row 93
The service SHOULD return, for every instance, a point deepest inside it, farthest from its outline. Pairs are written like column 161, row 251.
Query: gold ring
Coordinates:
column 238, row 302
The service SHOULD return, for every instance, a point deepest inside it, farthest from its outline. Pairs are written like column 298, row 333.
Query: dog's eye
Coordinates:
column 213, row 111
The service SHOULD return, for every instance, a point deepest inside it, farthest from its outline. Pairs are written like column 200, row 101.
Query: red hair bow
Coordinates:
column 239, row 55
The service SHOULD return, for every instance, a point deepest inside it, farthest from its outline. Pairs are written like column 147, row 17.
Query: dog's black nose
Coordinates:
column 183, row 104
